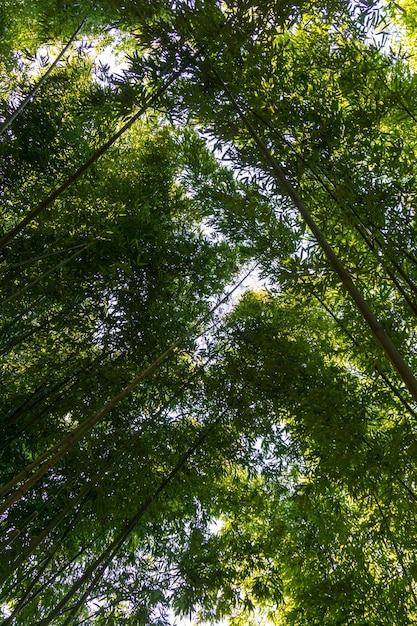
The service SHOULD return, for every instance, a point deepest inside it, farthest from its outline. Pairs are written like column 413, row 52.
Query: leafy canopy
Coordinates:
column 169, row 449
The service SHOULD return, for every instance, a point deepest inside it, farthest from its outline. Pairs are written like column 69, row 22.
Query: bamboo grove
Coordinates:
column 208, row 285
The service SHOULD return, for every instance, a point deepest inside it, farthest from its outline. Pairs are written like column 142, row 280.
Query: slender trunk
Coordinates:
column 374, row 324
column 119, row 451
column 18, row 318
column 83, row 168
column 54, row 454
column 61, row 316
column 367, row 232
column 26, row 597
column 399, row 480
column 397, row 551
column 378, row 370
column 40, row 538
column 39, row 84
column 19, row 339
column 42, row 392
column 98, row 566
column 33, row 260
column 51, row 270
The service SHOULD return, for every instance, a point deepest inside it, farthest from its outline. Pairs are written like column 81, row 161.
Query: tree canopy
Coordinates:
column 208, row 285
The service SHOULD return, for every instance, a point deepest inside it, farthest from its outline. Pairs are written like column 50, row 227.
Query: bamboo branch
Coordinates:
column 39, row 84
column 99, row 565
column 87, row 164
column 377, row 368
column 37, row 280
column 95, row 480
column 40, row 538
column 56, row 452
column 397, row 550
column 374, row 324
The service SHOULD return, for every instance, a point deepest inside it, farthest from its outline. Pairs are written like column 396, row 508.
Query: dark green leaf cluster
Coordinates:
column 170, row 447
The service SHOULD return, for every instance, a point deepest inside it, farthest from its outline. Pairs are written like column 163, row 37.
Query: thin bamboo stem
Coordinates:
column 56, row 452
column 98, row 566
column 374, row 324
column 87, row 164
column 41, row 82
column 47, row 273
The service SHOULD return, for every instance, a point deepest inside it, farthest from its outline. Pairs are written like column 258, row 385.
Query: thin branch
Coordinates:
column 374, row 324
column 54, row 454
column 83, row 168
column 37, row 280
column 99, row 565
column 39, row 84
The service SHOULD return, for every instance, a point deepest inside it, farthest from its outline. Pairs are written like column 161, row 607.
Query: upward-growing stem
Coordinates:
column 374, row 324
column 95, row 480
column 371, row 235
column 96, row 569
column 39, row 84
column 87, row 164
column 54, row 454
column 37, row 280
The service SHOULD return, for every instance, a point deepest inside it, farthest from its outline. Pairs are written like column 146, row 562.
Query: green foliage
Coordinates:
column 262, row 470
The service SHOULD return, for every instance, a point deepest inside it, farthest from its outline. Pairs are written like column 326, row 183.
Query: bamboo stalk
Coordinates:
column 47, row 273
column 87, row 164
column 40, row 538
column 374, row 324
column 56, row 452
column 39, row 84
column 99, row 565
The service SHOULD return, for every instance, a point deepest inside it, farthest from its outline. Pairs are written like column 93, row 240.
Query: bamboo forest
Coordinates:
column 208, row 286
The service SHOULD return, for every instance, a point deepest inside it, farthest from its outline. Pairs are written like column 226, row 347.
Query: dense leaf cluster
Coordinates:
column 174, row 441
